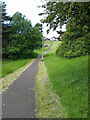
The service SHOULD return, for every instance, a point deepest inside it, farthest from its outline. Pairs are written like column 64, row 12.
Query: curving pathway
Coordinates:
column 18, row 101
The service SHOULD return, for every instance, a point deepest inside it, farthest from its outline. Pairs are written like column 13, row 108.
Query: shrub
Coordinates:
column 13, row 52
column 71, row 48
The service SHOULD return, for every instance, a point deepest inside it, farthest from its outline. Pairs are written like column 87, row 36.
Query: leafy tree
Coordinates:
column 39, row 25
column 59, row 13
column 75, row 15
column 24, row 38
column 5, row 25
column 37, row 36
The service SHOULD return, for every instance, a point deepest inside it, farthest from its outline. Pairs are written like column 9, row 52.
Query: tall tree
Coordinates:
column 76, row 17
column 24, row 38
column 59, row 13
column 39, row 26
column 5, row 25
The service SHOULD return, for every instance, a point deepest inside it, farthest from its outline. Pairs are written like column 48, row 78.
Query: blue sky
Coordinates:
column 30, row 10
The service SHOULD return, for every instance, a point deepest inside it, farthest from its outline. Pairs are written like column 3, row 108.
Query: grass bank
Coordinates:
column 7, row 80
column 69, row 79
column 47, row 102
column 8, row 66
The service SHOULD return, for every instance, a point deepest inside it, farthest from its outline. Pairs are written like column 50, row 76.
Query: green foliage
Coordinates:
column 13, row 52
column 59, row 13
column 37, row 37
column 72, row 47
column 19, row 37
column 24, row 38
column 75, row 15
column 39, row 25
column 5, row 25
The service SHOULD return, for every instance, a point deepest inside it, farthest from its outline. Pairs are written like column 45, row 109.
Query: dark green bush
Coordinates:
column 71, row 48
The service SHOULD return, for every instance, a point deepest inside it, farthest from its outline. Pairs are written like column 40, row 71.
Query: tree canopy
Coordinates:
column 5, row 24
column 59, row 13
column 24, row 37
column 76, row 16
column 21, row 38
column 39, row 26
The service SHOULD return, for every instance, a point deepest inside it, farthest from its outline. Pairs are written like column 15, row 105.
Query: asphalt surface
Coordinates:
column 18, row 101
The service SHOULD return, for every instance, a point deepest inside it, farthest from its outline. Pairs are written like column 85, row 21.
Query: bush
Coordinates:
column 71, row 48
column 13, row 52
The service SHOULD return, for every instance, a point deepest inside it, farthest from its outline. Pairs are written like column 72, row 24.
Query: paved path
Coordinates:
column 18, row 101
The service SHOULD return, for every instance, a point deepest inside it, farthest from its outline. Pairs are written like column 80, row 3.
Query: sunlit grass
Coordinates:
column 8, row 66
column 69, row 78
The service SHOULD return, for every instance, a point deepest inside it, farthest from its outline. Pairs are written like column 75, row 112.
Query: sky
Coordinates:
column 30, row 10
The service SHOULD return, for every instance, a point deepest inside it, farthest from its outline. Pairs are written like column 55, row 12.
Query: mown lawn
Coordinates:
column 69, row 79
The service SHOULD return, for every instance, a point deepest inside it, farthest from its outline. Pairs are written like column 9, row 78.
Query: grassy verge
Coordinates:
column 12, row 68
column 69, row 79
column 8, row 66
column 7, row 80
column 47, row 102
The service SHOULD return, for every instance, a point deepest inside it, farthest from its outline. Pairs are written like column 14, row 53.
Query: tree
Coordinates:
column 24, row 38
column 39, row 26
column 75, row 15
column 5, row 25
column 59, row 13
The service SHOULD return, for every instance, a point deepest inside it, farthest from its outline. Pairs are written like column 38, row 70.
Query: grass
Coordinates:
column 69, row 79
column 11, row 69
column 8, row 66
column 47, row 102
column 7, row 80
column 40, row 51
column 47, row 43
